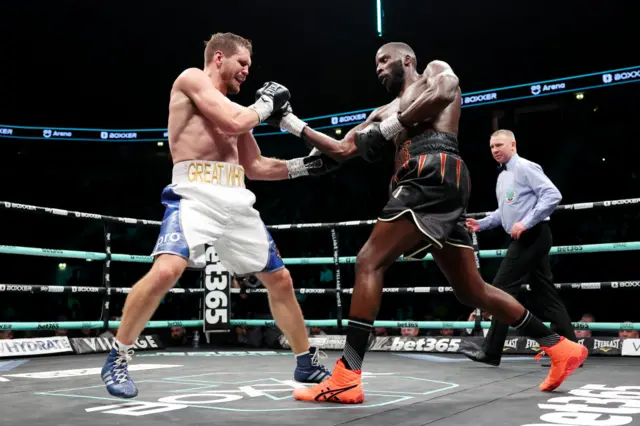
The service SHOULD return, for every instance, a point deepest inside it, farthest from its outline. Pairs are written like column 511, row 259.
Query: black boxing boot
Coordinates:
column 477, row 354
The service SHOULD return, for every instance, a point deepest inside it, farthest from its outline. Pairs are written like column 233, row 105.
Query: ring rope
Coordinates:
column 108, row 257
column 37, row 288
column 486, row 254
column 78, row 325
column 114, row 219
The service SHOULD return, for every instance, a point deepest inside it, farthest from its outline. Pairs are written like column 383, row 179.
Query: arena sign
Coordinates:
column 589, row 81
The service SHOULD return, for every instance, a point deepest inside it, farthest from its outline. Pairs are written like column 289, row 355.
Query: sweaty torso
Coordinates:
column 446, row 121
column 193, row 137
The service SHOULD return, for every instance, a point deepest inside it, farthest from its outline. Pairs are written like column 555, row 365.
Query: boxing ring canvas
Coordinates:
column 255, row 389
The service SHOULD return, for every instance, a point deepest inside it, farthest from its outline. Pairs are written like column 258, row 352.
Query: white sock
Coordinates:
column 121, row 347
column 302, row 353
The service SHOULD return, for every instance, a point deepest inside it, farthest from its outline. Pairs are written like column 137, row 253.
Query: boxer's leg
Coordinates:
column 388, row 241
column 249, row 249
column 146, row 294
column 285, row 308
column 458, row 265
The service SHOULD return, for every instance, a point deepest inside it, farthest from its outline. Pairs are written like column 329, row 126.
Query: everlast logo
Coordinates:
column 216, row 282
column 606, row 345
column 511, row 344
column 532, row 344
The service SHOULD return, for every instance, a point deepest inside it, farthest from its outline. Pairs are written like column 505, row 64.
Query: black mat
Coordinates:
column 255, row 389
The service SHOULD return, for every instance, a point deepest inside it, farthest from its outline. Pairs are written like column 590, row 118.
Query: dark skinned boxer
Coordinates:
column 429, row 193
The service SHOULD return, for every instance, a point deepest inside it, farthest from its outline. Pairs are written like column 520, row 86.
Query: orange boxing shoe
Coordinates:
column 344, row 387
column 565, row 356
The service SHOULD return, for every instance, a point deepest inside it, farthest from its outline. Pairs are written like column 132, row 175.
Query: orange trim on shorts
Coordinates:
column 458, row 167
column 423, row 159
column 443, row 163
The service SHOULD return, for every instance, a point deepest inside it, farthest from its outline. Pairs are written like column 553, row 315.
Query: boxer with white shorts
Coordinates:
column 213, row 149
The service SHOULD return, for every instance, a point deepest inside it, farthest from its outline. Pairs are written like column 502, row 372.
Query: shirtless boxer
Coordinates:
column 429, row 193
column 207, row 203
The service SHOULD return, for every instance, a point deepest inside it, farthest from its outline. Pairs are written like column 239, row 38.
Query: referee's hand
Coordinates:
column 473, row 225
column 517, row 230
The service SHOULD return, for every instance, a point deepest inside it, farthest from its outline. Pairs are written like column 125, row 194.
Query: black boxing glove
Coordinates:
column 373, row 142
column 269, row 98
column 285, row 119
column 315, row 164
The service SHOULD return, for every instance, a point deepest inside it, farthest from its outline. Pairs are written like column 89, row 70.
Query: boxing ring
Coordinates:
column 406, row 380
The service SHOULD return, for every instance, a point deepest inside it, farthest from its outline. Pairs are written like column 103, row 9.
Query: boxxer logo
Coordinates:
column 216, row 283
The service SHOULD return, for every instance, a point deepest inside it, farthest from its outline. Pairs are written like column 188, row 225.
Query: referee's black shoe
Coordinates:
column 475, row 353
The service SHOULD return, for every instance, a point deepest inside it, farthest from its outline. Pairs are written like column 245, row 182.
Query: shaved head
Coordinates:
column 394, row 61
column 400, row 49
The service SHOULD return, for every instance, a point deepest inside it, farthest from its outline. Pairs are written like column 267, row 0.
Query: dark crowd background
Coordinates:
column 111, row 65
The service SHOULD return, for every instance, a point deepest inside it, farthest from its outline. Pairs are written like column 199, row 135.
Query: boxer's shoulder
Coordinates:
column 436, row 67
column 191, row 78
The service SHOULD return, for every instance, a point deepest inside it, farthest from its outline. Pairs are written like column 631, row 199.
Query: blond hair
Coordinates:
column 227, row 43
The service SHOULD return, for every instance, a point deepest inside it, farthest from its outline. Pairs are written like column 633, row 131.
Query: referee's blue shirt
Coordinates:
column 525, row 194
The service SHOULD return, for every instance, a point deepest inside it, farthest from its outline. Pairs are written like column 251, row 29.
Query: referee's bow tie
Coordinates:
column 501, row 168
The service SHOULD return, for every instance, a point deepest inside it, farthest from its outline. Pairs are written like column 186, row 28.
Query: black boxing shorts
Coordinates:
column 432, row 187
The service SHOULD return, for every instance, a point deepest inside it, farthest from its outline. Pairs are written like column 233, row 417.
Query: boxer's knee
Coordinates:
column 166, row 271
column 279, row 284
column 366, row 261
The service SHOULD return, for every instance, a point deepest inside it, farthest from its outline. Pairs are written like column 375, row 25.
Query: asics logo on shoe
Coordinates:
column 332, row 394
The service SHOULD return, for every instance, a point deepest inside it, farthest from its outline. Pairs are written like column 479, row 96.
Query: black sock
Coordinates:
column 358, row 332
column 534, row 328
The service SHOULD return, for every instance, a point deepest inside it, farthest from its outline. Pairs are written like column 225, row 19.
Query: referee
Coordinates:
column 526, row 199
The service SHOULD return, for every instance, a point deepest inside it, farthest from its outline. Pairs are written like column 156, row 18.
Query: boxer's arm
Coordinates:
column 441, row 89
column 339, row 150
column 229, row 117
column 257, row 167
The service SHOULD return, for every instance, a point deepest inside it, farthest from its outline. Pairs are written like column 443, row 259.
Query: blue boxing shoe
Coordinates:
column 309, row 369
column 115, row 373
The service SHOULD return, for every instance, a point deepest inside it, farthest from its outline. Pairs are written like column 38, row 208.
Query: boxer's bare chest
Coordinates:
column 402, row 140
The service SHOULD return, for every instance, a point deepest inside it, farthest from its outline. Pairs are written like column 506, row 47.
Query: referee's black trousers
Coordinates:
column 527, row 261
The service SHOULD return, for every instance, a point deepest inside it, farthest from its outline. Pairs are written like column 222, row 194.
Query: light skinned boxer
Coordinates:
column 429, row 193
column 207, row 203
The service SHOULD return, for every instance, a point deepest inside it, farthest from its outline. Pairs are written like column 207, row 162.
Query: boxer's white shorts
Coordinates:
column 207, row 203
